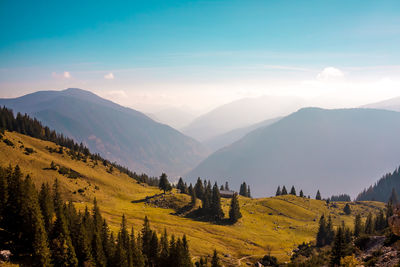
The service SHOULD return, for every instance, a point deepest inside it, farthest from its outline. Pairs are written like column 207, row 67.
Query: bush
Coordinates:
column 80, row 190
column 269, row 260
column 8, row 142
column 29, row 150
column 362, row 241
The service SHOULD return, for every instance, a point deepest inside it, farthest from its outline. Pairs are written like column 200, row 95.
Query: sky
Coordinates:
column 196, row 55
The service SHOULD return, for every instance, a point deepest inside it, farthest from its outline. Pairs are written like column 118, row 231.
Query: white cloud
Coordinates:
column 67, row 75
column 330, row 73
column 109, row 76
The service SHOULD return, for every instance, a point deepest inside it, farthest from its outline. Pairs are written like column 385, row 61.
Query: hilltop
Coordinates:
column 280, row 222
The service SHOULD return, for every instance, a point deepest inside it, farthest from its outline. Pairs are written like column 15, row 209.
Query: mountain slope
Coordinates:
column 280, row 222
column 389, row 104
column 117, row 133
column 336, row 151
column 230, row 137
column 241, row 113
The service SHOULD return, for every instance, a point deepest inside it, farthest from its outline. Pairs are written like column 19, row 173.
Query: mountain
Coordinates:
column 241, row 113
column 230, row 137
column 117, row 133
column 335, row 151
column 389, row 104
column 174, row 117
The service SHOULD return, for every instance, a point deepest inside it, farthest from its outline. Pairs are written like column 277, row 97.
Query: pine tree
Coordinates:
column 293, row 191
column 339, row 246
column 164, row 250
column 301, row 193
column 322, row 232
column 47, row 206
column 164, row 183
column 358, row 227
column 248, row 191
column 121, row 257
column 243, row 190
column 215, row 260
column 278, row 191
column 34, row 226
column 318, row 196
column 199, row 189
column 216, row 204
column 284, row 191
column 181, row 186
column 369, row 224
column 146, row 237
column 227, row 186
column 63, row 252
column 347, row 209
column 394, row 200
column 234, row 211
column 193, row 198
column 330, row 233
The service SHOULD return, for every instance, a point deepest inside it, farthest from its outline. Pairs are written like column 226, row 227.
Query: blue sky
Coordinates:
column 177, row 49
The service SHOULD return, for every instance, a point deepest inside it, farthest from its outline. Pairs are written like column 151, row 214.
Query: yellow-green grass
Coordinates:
column 277, row 224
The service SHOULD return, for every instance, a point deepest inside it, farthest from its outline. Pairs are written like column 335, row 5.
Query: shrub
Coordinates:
column 8, row 142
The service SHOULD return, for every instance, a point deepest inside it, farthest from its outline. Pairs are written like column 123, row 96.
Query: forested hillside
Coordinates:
column 382, row 189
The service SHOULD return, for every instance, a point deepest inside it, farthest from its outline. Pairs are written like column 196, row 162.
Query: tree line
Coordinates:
column 24, row 124
column 41, row 229
column 383, row 188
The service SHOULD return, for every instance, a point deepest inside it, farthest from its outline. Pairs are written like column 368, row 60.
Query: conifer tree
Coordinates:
column 369, row 224
column 278, row 191
column 330, row 233
column 63, row 252
column 35, row 232
column 199, row 189
column 216, row 204
column 293, row 191
column 322, row 232
column 347, row 209
column 284, row 191
column 47, row 206
column 318, row 196
column 248, row 191
column 339, row 247
column 234, row 211
column 121, row 257
column 146, row 238
column 227, row 186
column 393, row 199
column 215, row 260
column 181, row 186
column 164, row 250
column 358, row 227
column 164, row 183
column 193, row 198
column 186, row 260
column 301, row 193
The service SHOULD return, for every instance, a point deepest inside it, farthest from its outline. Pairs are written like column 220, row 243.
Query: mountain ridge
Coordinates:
column 119, row 133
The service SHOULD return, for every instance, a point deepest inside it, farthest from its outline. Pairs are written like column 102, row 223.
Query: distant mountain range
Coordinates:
column 335, row 151
column 117, row 133
column 230, row 137
column 389, row 104
column 241, row 113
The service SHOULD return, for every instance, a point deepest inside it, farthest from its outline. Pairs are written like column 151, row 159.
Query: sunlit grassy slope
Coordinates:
column 276, row 223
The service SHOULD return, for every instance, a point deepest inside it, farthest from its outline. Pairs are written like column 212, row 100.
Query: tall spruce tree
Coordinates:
column 358, row 227
column 164, row 183
column 318, row 196
column 234, row 211
column 199, row 189
column 293, row 191
column 301, row 193
column 278, row 191
column 216, row 208
column 284, row 191
column 347, row 209
column 215, row 260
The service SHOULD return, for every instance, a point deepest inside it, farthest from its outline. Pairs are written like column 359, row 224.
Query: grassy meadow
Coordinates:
column 275, row 224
